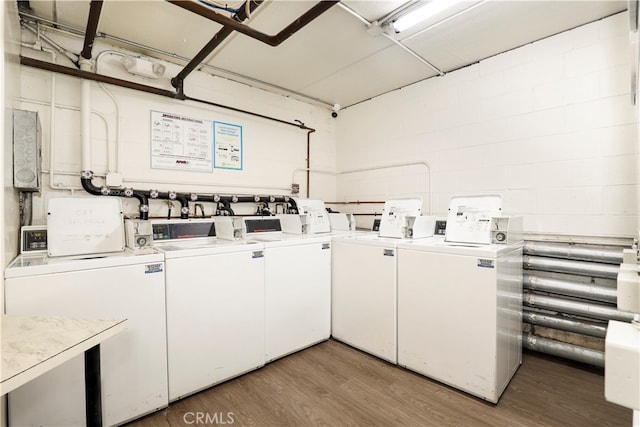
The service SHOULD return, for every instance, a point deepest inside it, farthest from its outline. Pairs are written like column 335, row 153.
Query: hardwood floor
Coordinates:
column 332, row 384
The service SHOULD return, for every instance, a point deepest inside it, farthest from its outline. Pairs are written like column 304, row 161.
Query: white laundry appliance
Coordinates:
column 460, row 300
column 364, row 285
column 123, row 284
column 297, row 284
column 215, row 304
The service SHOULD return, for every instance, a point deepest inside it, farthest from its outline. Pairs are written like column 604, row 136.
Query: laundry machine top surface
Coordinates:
column 470, row 249
column 36, row 264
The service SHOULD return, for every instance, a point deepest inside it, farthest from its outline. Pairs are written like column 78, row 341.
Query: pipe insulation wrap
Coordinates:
column 589, row 310
column 574, row 289
column 561, row 349
column 581, row 268
column 591, row 329
column 594, row 253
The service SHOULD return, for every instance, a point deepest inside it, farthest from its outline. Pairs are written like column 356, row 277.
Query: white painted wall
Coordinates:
column 549, row 126
column 272, row 151
column 10, row 92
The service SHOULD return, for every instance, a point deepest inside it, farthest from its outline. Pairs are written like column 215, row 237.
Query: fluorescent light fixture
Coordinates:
column 427, row 10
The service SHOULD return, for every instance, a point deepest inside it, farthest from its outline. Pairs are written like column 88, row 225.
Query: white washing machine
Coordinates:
column 460, row 314
column 215, row 305
column 133, row 363
column 363, row 294
column 363, row 280
column 460, row 300
column 297, row 286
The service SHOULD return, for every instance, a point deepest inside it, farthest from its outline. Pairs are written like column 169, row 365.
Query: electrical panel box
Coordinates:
column 27, row 152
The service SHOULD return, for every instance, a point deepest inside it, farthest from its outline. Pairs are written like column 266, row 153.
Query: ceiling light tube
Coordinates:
column 428, row 10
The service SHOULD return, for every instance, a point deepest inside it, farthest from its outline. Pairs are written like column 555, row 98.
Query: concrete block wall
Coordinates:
column 549, row 126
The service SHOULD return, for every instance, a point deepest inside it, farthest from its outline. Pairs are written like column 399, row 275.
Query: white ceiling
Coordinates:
column 334, row 59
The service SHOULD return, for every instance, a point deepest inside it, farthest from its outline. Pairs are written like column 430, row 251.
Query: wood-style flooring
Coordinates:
column 332, row 384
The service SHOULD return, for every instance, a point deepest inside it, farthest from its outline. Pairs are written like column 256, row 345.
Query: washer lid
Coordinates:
column 37, row 264
column 469, row 219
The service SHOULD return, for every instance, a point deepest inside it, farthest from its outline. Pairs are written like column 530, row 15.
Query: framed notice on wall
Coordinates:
column 227, row 146
column 179, row 142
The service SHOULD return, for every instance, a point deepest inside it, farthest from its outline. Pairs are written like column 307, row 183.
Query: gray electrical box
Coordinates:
column 27, row 137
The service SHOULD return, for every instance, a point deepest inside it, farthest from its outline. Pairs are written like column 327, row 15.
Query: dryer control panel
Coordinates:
column 33, row 239
column 180, row 229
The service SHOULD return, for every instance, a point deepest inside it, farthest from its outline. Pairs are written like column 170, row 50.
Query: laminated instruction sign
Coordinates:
column 179, row 142
column 227, row 141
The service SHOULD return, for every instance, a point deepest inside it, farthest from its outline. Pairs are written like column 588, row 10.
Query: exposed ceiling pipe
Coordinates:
column 54, row 25
column 92, row 26
column 218, row 38
column 272, row 40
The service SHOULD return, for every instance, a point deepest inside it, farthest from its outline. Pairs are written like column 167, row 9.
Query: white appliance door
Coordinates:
column 215, row 319
column 363, row 298
column 297, row 297
column 447, row 319
column 133, row 363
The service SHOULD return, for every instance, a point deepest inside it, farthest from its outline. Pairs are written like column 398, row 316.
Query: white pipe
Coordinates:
column 52, row 103
column 395, row 165
column 134, row 180
column 85, row 113
column 114, row 164
column 113, row 159
column 73, row 57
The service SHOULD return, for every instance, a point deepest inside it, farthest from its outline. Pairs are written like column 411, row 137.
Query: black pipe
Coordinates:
column 88, row 186
column 184, row 206
column 92, row 26
column 293, row 206
column 218, row 38
column 272, row 40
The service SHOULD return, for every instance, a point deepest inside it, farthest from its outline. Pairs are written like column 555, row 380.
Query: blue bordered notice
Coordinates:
column 179, row 142
column 227, row 146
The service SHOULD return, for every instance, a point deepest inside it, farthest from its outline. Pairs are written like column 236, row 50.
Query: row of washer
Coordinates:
column 201, row 310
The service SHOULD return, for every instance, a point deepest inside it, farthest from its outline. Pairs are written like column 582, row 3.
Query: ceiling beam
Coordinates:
column 272, row 40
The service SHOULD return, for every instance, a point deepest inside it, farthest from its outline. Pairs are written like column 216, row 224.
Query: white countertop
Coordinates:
column 33, row 345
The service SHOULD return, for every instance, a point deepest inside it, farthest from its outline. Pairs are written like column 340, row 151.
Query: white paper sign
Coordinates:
column 179, row 142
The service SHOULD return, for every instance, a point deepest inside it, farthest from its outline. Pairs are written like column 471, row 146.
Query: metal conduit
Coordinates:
column 561, row 349
column 591, row 329
column 575, row 289
column 602, row 254
column 589, row 310
column 581, row 268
